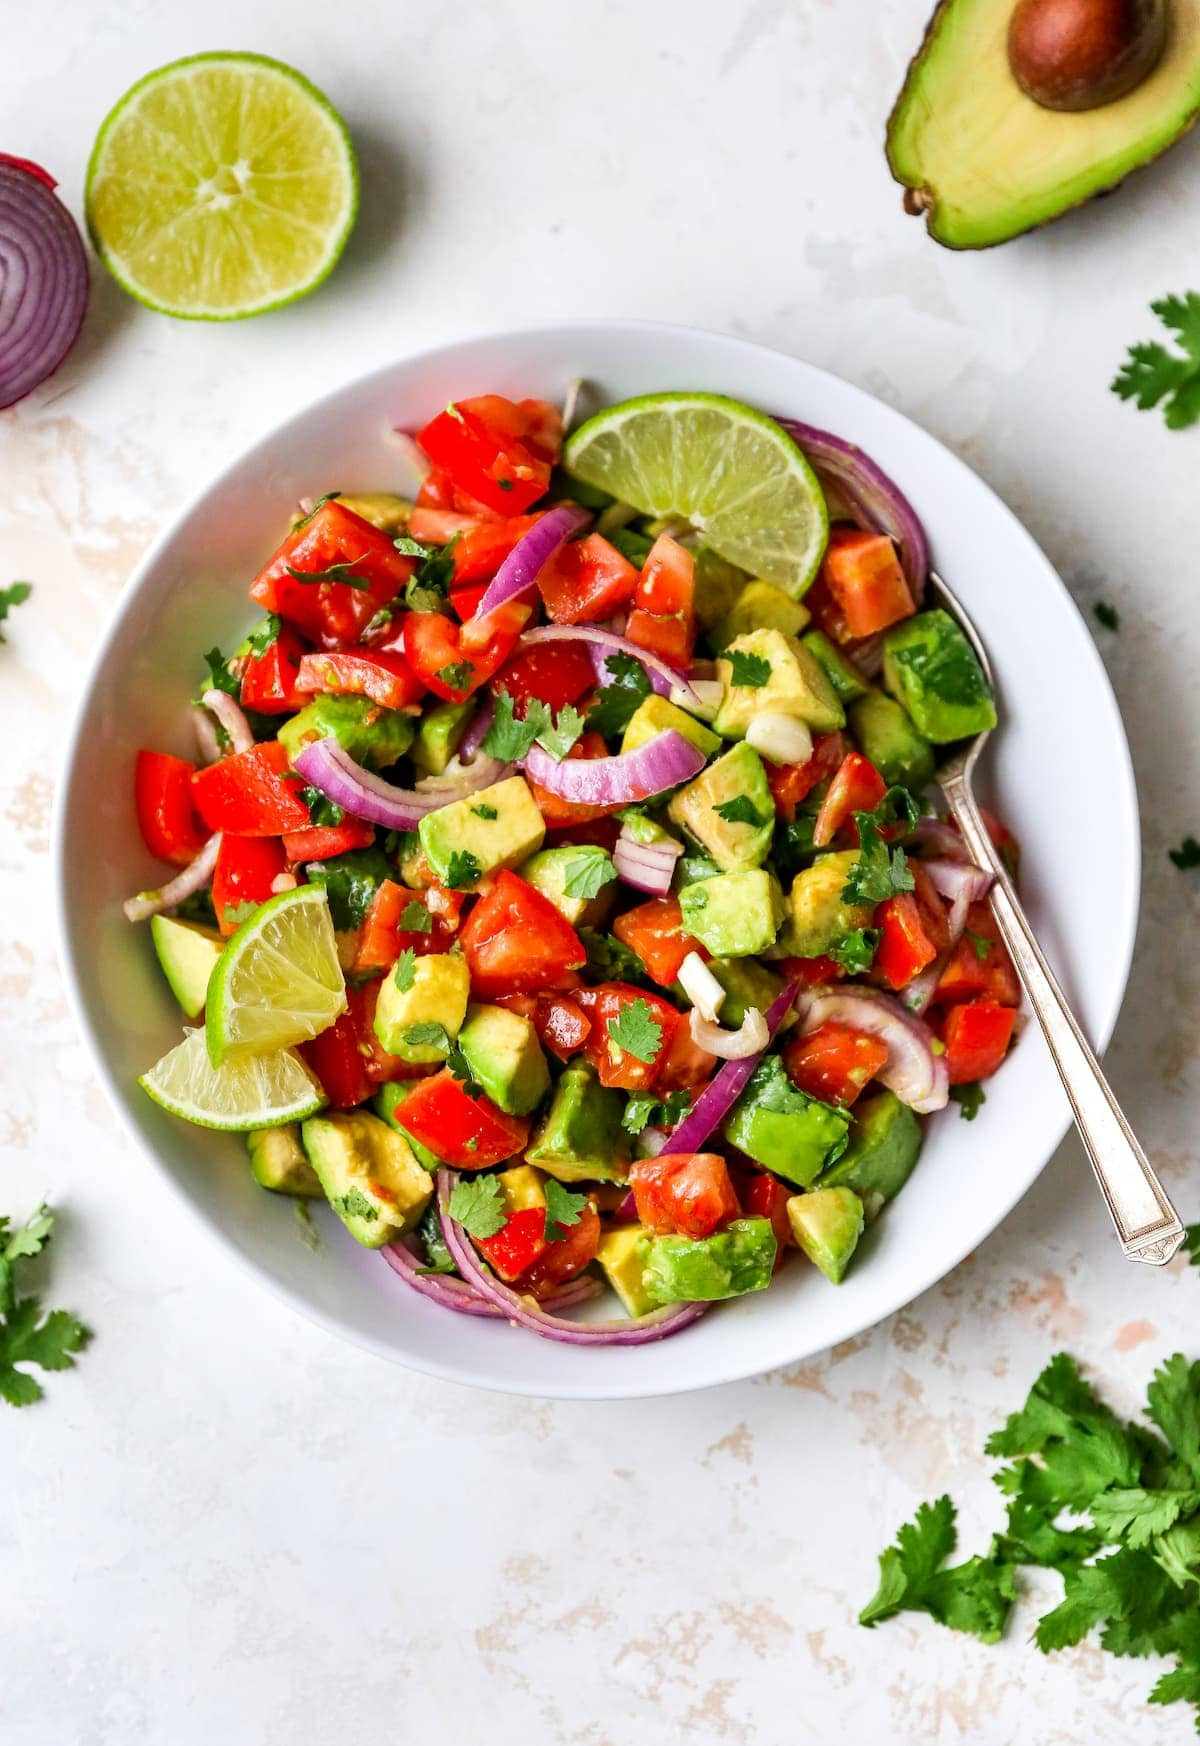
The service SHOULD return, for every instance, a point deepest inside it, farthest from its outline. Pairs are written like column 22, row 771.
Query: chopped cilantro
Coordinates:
column 355, row 1202
column 26, row 1336
column 462, row 869
column 643, row 1110
column 477, row 1204
column 351, row 881
column 1108, row 615
column 970, row 1099
column 415, row 919
column 220, row 675
column 343, row 573
column 460, row 1069
column 319, row 504
column 484, row 811
column 880, row 870
column 508, row 739
column 589, row 869
column 321, row 810
column 562, row 1208
column 980, row 942
column 406, row 970
column 1187, row 854
column 264, row 634
column 1152, row 373
column 428, row 587
column 611, row 959
column 636, row 1030
column 855, row 951
column 428, row 1034
column 751, row 671
column 617, row 702
column 741, row 810
column 557, row 737
column 457, row 675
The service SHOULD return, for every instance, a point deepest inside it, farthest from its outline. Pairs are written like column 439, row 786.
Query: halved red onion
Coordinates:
column 911, row 1069
column 648, row 867
column 329, row 767
column 624, row 780
column 456, row 1294
column 43, row 278
column 614, row 645
column 519, row 572
column 528, row 1313
column 727, row 1085
column 750, row 1038
column 940, row 836
column 231, row 716
column 194, row 877
column 873, row 499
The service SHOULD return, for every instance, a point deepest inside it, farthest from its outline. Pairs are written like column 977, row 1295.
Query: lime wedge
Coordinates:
column 278, row 981
column 221, row 186
column 263, row 1091
column 727, row 469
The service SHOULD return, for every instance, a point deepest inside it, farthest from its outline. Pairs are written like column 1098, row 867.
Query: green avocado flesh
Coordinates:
column 984, row 162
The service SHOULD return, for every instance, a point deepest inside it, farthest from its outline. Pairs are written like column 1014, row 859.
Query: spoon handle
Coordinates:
column 1147, row 1224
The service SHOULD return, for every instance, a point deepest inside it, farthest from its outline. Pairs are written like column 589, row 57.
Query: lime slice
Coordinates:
column 278, row 981
column 727, row 469
column 263, row 1091
column 220, row 186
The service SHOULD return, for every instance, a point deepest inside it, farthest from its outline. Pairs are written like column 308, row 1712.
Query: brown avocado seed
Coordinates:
column 1080, row 54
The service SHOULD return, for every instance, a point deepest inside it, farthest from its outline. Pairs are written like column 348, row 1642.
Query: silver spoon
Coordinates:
column 1147, row 1224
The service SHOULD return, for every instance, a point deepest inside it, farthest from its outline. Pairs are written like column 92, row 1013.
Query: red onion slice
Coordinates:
column 328, row 766
column 194, row 877
column 519, row 572
column 663, row 762
column 615, row 645
column 912, row 1067
column 961, row 883
column 939, row 835
column 232, row 718
column 440, row 1288
column 43, row 279
column 648, row 867
column 727, row 1085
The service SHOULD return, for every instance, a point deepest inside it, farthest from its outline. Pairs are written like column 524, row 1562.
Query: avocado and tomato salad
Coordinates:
column 582, row 870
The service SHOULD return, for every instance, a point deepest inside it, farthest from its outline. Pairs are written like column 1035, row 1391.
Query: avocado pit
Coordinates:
column 1081, row 54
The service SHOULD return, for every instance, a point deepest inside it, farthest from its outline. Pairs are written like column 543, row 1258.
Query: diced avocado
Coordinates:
column 701, row 1269
column 735, row 915
column 760, row 606
column 387, row 1102
column 929, row 665
column 547, row 872
column 278, row 1161
column 522, row 1187
column 691, row 869
column 372, row 735
column 438, row 989
column 718, row 584
column 440, row 734
column 842, row 674
column 819, row 915
column 781, row 1127
column 746, row 984
column 654, row 715
column 885, row 1142
column 581, row 1138
column 369, row 1174
column 827, row 1224
column 622, row 1257
column 500, row 826
column 736, row 779
column 793, row 684
column 505, row 1057
column 380, row 508
column 187, row 953
column 889, row 739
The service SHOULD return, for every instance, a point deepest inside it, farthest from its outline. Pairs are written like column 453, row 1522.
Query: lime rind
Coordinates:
column 165, row 162
column 728, row 469
column 278, row 981
column 262, row 1091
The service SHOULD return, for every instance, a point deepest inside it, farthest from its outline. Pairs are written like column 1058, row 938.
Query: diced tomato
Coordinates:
column 558, row 812
column 586, row 580
column 331, row 612
column 834, row 1062
column 561, row 1261
column 499, row 451
column 685, row 1066
column 967, row 974
column 434, row 649
column 269, row 681
column 517, row 1244
column 654, row 930
column 863, row 574
column 383, row 675
column 337, row 1060
column 166, row 809
column 246, row 794
column 689, row 1192
column 514, row 940
column 480, row 550
column 245, row 875
column 763, row 1196
column 437, row 527
column 857, row 786
column 465, row 600
column 792, row 783
column 381, row 938
column 615, row 1065
column 827, row 612
column 323, row 842
column 469, row 1133
column 555, row 673
column 381, row 1065
column 905, row 948
column 562, row 1025
column 667, row 585
column 976, row 1038
column 810, row 972
column 674, row 639
column 438, row 491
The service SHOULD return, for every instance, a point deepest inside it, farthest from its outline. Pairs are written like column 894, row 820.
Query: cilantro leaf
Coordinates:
column 12, row 596
column 344, row 573
column 1083, row 1445
column 1107, row 615
column 855, row 951
column 611, row 959
column 1187, row 854
column 975, row 1596
column 589, row 869
column 415, row 919
column 406, row 969
column 1173, row 1402
column 751, row 671
column 970, row 1099
column 462, row 869
column 457, row 675
column 1191, row 1244
column 880, row 871
column 485, row 811
column 265, row 633
column 428, row 587
column 617, row 702
column 645, row 1110
column 26, row 1336
column 220, row 675
column 477, row 1204
column 460, row 1068
column 319, row 504
column 508, row 738
column 429, row 1034
column 742, row 810
column 1152, row 373
column 355, row 1202
column 637, row 1031
column 562, row 735
column 321, row 810
column 562, row 1208
column 1135, row 1515
column 980, row 942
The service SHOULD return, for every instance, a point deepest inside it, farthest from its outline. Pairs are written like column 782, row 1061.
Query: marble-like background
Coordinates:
column 225, row 1526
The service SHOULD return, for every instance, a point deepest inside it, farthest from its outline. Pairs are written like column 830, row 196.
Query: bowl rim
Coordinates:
column 60, row 850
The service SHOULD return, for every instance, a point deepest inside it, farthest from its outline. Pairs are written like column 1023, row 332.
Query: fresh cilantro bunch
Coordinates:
column 1114, row 1507
column 26, row 1336
column 1152, row 373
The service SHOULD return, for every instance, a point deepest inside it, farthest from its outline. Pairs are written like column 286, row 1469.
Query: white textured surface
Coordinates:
column 225, row 1525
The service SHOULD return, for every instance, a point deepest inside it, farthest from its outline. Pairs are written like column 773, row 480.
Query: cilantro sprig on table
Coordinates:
column 1152, row 373
column 13, row 595
column 26, row 1335
column 1130, row 1567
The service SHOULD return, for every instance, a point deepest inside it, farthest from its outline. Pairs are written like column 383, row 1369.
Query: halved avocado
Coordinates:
column 984, row 162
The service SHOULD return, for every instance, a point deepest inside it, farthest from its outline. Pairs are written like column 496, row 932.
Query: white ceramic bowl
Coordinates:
column 1060, row 771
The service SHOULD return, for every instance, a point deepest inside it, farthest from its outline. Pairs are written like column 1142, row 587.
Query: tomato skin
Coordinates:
column 437, row 527
column 323, row 842
column 688, row 1192
column 967, row 975
column 792, row 783
column 246, row 871
column 246, row 795
column 561, row 1261
column 905, row 948
column 561, row 1024
column 499, row 451
column 585, row 581
column 555, row 673
column 764, row 1196
column 517, row 1245
column 857, row 786
column 166, row 810
column 557, row 812
column 810, row 972
column 269, row 682
column 663, row 619
column 383, row 675
column 673, row 639
column 614, row 1065
column 685, row 1066
column 834, row 1062
column 438, row 491
column 976, row 1037
column 332, row 612
column 337, row 1060
column 381, row 939
column 865, row 579
column 469, row 1133
column 515, row 941
column 480, row 550
column 654, row 930
column 433, row 643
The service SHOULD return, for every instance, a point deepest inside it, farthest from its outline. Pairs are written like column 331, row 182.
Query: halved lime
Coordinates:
column 278, row 981
column 730, row 471
column 220, row 186
column 263, row 1091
